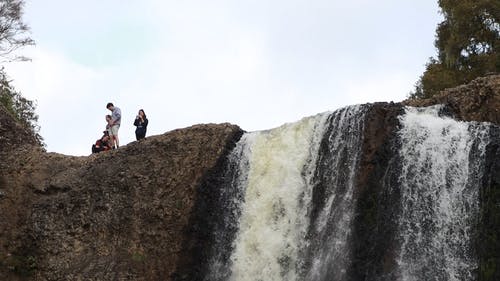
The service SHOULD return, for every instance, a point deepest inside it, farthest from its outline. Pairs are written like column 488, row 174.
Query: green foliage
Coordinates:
column 20, row 107
column 468, row 43
column 13, row 35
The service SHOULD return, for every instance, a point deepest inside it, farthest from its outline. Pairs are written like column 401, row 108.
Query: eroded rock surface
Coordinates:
column 118, row 215
column 477, row 101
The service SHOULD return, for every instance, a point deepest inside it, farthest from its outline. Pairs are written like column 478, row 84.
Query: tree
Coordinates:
column 13, row 35
column 468, row 43
column 13, row 31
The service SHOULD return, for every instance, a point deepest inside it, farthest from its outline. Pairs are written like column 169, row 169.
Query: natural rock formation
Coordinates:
column 375, row 224
column 147, row 210
column 488, row 245
column 477, row 101
column 119, row 215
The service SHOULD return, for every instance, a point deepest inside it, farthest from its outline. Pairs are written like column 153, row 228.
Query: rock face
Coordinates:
column 120, row 215
column 489, row 224
column 147, row 210
column 375, row 223
column 477, row 101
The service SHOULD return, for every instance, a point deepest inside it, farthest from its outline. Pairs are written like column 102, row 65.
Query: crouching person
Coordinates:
column 102, row 144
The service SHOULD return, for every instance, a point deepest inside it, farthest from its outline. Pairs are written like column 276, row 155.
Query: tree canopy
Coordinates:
column 468, row 43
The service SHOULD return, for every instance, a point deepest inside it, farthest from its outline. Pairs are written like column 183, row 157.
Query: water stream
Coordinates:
column 291, row 208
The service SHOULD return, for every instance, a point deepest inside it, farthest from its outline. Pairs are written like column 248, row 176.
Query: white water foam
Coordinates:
column 331, row 253
column 238, row 167
column 274, row 218
column 439, row 195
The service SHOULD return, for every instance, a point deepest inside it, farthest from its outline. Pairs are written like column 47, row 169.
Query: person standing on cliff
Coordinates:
column 114, row 123
column 108, row 121
column 141, row 122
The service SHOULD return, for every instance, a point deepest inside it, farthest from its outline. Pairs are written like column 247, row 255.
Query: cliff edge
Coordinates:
column 119, row 215
column 477, row 101
column 144, row 211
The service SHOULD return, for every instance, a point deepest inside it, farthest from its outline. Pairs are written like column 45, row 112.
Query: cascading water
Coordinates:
column 289, row 200
column 328, row 252
column 274, row 219
column 281, row 235
column 231, row 198
column 442, row 161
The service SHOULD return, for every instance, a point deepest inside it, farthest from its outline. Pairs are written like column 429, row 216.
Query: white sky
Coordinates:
column 257, row 64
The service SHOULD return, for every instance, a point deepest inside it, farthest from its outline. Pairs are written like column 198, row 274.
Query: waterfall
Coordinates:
column 231, row 199
column 277, row 174
column 333, row 205
column 441, row 168
column 288, row 203
column 274, row 218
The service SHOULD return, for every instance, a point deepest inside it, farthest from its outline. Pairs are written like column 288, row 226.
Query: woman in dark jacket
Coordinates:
column 141, row 122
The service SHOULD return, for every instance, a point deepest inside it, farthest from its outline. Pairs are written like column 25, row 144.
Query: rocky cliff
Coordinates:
column 147, row 210
column 477, row 101
column 120, row 215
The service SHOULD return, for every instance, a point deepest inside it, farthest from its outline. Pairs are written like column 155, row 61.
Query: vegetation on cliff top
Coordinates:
column 20, row 107
column 468, row 43
column 14, row 35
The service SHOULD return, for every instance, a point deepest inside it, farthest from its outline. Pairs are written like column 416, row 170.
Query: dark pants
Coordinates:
column 140, row 133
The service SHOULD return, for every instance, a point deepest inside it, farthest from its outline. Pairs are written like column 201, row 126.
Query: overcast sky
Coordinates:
column 257, row 64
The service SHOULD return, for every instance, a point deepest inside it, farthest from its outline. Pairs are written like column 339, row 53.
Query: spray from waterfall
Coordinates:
column 442, row 163
column 289, row 200
column 274, row 220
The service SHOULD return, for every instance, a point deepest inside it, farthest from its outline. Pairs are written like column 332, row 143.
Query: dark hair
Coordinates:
column 109, row 104
column 143, row 112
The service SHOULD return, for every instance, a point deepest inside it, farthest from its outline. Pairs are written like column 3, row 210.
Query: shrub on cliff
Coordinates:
column 20, row 107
